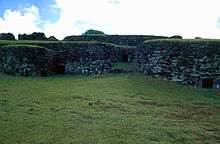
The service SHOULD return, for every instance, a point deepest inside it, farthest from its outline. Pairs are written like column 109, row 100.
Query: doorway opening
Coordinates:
column 58, row 66
column 59, row 69
column 207, row 83
column 125, row 58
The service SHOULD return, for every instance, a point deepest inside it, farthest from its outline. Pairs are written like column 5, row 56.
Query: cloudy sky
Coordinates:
column 189, row 18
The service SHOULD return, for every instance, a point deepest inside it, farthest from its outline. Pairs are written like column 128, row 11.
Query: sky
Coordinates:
column 188, row 18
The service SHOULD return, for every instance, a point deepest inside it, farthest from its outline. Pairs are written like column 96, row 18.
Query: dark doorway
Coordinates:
column 43, row 72
column 125, row 58
column 58, row 66
column 59, row 69
column 207, row 83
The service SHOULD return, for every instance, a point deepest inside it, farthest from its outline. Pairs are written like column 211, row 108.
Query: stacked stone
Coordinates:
column 89, row 58
column 186, row 61
column 94, row 67
column 25, row 60
column 58, row 57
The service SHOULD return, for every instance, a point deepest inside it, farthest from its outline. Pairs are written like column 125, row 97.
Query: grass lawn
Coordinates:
column 120, row 108
column 124, row 66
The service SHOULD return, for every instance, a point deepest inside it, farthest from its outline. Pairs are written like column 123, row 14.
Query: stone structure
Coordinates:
column 60, row 57
column 88, row 58
column 195, row 62
column 25, row 60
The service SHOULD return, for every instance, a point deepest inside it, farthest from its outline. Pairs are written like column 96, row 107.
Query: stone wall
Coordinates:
column 25, row 60
column 186, row 61
column 88, row 58
column 88, row 67
column 63, row 48
column 66, row 57
column 194, row 62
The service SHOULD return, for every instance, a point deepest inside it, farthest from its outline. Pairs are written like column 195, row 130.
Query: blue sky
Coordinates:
column 189, row 18
column 45, row 9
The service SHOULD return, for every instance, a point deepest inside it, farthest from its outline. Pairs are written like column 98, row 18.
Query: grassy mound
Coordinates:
column 123, row 108
column 22, row 46
column 42, row 43
column 185, row 40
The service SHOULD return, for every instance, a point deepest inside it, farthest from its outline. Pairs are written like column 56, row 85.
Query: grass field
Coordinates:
column 126, row 67
column 121, row 108
column 38, row 44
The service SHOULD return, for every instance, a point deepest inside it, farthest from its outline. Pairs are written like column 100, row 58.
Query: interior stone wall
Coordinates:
column 88, row 58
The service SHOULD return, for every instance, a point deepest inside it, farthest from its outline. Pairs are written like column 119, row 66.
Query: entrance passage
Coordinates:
column 58, row 66
column 59, row 69
column 207, row 83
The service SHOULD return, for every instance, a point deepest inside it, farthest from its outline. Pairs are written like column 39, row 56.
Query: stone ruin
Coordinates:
column 25, row 60
column 46, row 58
column 194, row 62
column 87, row 58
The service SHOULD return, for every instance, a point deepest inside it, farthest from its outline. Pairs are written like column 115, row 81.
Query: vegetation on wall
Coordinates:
column 52, row 38
column 93, row 32
column 176, row 37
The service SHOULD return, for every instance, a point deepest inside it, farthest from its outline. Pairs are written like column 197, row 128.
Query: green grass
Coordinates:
column 122, row 108
column 40, row 43
column 185, row 40
column 22, row 46
column 126, row 66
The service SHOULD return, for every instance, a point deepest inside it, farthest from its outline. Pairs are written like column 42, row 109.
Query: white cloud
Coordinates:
column 20, row 21
column 189, row 18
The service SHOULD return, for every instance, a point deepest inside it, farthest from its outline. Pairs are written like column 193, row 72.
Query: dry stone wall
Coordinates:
column 186, row 61
column 58, row 57
column 89, row 58
column 25, row 60
column 195, row 62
